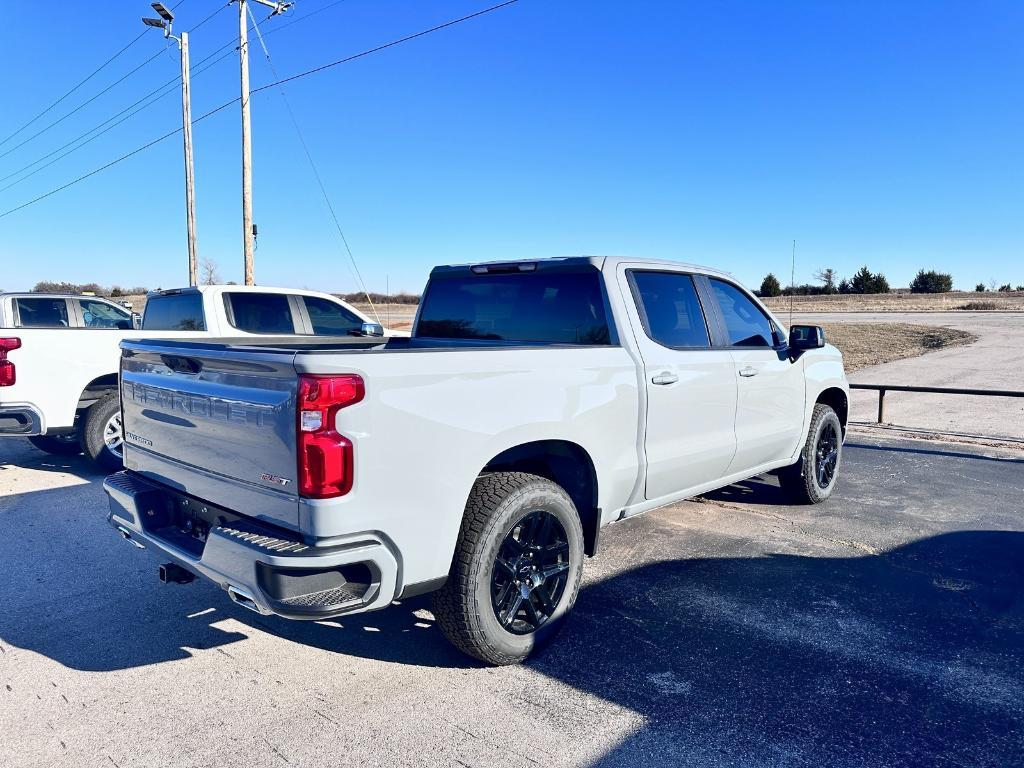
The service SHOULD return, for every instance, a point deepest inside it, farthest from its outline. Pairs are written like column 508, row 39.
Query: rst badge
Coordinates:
column 275, row 479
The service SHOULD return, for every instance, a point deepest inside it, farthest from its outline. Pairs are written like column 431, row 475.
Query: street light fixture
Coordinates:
column 165, row 14
column 165, row 22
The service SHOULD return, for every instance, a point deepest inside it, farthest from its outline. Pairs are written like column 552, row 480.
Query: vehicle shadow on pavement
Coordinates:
column 911, row 657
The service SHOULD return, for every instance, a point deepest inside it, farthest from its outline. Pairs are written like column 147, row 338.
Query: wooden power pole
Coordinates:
column 190, row 180
column 243, row 56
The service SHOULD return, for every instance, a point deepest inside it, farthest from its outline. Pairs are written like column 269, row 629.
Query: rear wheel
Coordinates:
column 59, row 445
column 516, row 570
column 812, row 478
column 102, row 434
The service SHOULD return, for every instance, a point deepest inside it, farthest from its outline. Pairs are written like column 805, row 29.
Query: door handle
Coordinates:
column 748, row 371
column 664, row 378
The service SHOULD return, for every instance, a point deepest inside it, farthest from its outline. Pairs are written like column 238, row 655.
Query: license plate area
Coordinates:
column 185, row 521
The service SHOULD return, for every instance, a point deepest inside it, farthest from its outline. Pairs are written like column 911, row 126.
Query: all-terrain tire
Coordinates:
column 95, row 423
column 804, row 480
column 498, row 503
column 57, row 445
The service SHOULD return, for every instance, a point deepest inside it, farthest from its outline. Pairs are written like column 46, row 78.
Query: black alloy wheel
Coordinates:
column 530, row 572
column 826, row 455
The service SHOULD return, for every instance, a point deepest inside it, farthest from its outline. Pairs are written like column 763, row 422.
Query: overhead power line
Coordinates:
column 163, row 90
column 93, row 98
column 80, row 83
column 235, row 100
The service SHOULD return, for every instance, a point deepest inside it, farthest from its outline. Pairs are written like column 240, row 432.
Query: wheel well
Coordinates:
column 96, row 389
column 566, row 464
column 835, row 398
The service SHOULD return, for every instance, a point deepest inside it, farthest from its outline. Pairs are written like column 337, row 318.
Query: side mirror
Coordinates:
column 136, row 321
column 804, row 337
column 371, row 329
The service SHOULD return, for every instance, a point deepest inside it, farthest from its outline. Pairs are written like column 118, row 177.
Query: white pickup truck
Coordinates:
column 479, row 459
column 59, row 354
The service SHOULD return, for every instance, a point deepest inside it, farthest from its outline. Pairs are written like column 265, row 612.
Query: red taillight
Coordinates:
column 325, row 455
column 7, row 373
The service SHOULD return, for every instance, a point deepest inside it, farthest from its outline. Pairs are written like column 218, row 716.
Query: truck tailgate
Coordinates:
column 215, row 422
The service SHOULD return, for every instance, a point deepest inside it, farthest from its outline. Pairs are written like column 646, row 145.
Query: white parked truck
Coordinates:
column 59, row 354
column 535, row 403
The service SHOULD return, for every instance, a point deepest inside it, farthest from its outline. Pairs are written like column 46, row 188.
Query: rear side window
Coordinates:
column 329, row 318
column 746, row 324
column 99, row 314
column 670, row 309
column 175, row 312
column 260, row 312
column 554, row 307
column 43, row 313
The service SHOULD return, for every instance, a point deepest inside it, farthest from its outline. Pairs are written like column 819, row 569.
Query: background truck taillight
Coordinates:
column 325, row 455
column 7, row 373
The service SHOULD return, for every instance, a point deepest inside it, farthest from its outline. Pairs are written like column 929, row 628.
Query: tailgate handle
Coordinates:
column 182, row 364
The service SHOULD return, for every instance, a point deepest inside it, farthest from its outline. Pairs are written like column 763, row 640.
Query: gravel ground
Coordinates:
column 885, row 628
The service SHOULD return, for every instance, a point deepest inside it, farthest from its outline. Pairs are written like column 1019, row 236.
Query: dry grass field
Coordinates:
column 901, row 302
column 864, row 344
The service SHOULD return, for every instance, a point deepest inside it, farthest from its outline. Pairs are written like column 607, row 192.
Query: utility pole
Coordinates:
column 248, row 236
column 165, row 22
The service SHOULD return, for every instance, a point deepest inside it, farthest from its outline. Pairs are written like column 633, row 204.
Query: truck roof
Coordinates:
column 571, row 262
column 54, row 295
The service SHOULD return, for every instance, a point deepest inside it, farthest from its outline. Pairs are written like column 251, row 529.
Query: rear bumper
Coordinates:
column 21, row 419
column 261, row 568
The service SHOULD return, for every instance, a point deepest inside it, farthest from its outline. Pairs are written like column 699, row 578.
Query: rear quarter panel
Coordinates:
column 432, row 420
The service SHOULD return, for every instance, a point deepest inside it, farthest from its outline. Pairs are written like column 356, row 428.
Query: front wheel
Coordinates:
column 812, row 478
column 102, row 434
column 516, row 571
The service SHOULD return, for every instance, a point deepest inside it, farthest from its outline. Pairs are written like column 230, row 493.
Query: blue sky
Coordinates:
column 878, row 133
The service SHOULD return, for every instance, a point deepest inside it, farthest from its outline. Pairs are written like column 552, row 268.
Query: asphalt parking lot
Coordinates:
column 883, row 628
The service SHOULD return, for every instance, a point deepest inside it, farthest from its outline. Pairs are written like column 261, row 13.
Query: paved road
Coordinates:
column 885, row 628
column 995, row 361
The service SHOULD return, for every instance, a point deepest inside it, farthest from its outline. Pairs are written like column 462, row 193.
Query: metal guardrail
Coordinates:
column 883, row 388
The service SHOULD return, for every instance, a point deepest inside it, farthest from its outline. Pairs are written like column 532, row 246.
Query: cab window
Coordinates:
column 745, row 323
column 260, row 312
column 42, row 313
column 329, row 318
column 670, row 310
column 100, row 314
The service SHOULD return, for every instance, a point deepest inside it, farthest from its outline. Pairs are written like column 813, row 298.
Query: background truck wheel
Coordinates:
column 58, row 445
column 516, row 570
column 812, row 479
column 102, row 435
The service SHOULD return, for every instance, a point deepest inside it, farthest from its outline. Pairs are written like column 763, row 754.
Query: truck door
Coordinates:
column 691, row 387
column 770, row 404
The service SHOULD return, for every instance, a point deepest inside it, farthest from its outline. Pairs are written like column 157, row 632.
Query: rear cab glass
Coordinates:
column 175, row 312
column 493, row 303
column 42, row 313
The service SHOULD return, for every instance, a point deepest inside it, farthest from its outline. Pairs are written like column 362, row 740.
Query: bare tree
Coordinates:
column 828, row 277
column 208, row 268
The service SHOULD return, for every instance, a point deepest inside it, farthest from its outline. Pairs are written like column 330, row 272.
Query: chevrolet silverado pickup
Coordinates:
column 59, row 354
column 534, row 403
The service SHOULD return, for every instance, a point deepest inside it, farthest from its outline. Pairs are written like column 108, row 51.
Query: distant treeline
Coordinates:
column 380, row 298
column 114, row 291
